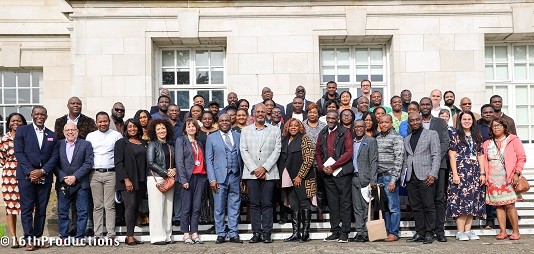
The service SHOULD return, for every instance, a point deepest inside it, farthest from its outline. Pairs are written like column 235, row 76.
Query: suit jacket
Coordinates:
column 441, row 127
column 184, row 158
column 216, row 156
column 80, row 165
column 290, row 114
column 367, row 159
column 85, row 126
column 264, row 153
column 126, row 164
column 425, row 160
column 30, row 156
column 289, row 107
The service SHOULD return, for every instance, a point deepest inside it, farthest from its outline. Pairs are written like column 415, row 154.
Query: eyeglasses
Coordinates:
column 70, row 130
column 119, row 109
column 300, row 90
column 467, row 103
column 496, row 126
column 276, row 113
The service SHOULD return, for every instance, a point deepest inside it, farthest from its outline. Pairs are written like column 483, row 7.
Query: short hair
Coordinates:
column 446, row 92
column 331, row 82
column 377, row 108
column 230, row 107
column 198, row 95
column 329, row 102
column 164, row 96
column 240, row 109
column 394, row 96
column 39, row 107
column 241, row 101
column 302, row 130
column 361, row 82
column 388, row 116
column 351, row 113
column 406, row 90
column 266, row 100
column 192, row 121
column 333, row 111
column 101, row 113
column 15, row 114
column 415, row 103
column 137, row 124
column 376, row 91
column 486, row 106
column 495, row 96
column 208, row 112
column 444, row 111
column 298, row 98
column 361, row 98
column 195, row 105
column 152, row 129
column 312, row 106
column 174, row 105
column 424, row 98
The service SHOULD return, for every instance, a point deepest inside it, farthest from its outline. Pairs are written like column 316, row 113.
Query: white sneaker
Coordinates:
column 472, row 235
column 462, row 236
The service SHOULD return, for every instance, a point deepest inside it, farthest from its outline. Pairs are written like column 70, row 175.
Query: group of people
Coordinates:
column 451, row 161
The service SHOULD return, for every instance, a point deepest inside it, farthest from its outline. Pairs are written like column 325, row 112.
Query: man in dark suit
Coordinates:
column 84, row 123
column 335, row 142
column 298, row 111
column 422, row 159
column 430, row 122
column 300, row 92
column 224, row 168
column 365, row 161
column 36, row 151
column 72, row 184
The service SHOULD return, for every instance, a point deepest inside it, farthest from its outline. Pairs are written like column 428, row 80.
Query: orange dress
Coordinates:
column 10, row 189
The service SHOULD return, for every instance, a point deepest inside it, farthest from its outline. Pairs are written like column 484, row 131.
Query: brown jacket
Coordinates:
column 85, row 126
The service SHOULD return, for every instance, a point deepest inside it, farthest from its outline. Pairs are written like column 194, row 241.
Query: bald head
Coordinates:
column 75, row 106
column 70, row 131
column 465, row 104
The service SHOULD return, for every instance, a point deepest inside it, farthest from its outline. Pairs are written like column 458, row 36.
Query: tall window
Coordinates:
column 19, row 93
column 349, row 65
column 188, row 72
column 510, row 74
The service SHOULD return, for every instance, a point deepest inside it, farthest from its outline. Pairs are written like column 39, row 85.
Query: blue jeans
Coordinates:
column 393, row 215
column 82, row 202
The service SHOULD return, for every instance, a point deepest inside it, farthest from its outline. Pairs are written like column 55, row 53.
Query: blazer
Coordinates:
column 85, row 126
column 126, row 164
column 442, row 128
column 30, row 156
column 426, row 157
column 297, row 158
column 80, row 165
column 264, row 153
column 289, row 107
column 514, row 156
column 155, row 158
column 216, row 156
column 367, row 160
column 185, row 161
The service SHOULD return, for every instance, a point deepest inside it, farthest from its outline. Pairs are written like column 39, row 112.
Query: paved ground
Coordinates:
column 485, row 245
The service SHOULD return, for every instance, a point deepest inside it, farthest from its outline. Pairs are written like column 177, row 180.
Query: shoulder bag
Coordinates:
column 376, row 229
column 168, row 182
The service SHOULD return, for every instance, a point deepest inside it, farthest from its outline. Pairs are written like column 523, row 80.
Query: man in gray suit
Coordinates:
column 422, row 159
column 260, row 148
column 365, row 160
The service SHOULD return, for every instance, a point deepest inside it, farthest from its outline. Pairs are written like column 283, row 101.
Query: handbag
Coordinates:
column 376, row 229
column 168, row 182
column 522, row 185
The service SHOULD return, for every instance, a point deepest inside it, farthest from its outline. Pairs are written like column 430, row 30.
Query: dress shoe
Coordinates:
column 267, row 238
column 441, row 238
column 211, row 230
column 428, row 239
column 30, row 247
column 356, row 238
column 159, row 243
column 256, row 238
column 416, row 238
column 220, row 239
column 176, row 223
column 332, row 238
column 89, row 232
column 235, row 239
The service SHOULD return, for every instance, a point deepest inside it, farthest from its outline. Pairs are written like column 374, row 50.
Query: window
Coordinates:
column 510, row 74
column 188, row 72
column 19, row 93
column 349, row 65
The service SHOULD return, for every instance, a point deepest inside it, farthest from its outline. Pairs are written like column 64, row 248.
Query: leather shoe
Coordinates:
column 256, row 238
column 267, row 238
column 235, row 239
column 220, row 239
column 441, row 238
column 30, row 247
column 428, row 239
column 416, row 238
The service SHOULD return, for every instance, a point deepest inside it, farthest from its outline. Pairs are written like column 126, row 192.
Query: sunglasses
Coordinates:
column 119, row 109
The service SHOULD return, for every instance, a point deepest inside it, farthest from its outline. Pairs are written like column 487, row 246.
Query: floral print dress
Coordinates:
column 10, row 190
column 466, row 198
column 499, row 191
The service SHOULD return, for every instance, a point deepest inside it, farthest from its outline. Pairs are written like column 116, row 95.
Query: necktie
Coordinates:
column 227, row 141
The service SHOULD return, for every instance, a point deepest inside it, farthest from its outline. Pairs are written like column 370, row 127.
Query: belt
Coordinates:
column 104, row 170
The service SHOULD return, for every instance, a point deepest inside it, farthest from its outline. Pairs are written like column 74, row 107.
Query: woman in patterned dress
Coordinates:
column 10, row 190
column 465, row 199
column 505, row 158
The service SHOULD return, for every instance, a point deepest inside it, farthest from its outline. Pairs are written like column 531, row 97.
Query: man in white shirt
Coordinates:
column 435, row 97
column 298, row 111
column 103, row 175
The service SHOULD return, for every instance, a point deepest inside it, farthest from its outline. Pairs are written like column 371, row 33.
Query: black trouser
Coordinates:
column 261, row 205
column 295, row 201
column 439, row 200
column 321, row 193
column 132, row 201
column 422, row 199
column 338, row 192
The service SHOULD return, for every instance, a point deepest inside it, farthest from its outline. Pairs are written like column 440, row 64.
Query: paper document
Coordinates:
column 331, row 162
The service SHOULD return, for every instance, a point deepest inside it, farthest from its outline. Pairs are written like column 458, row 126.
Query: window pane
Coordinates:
column 500, row 54
column 10, row 110
column 489, row 54
column 520, row 71
column 361, row 56
column 532, row 94
column 206, row 95
column 182, row 99
column 26, row 111
column 523, row 112
column 343, row 56
column 501, row 72
column 167, row 57
column 182, row 58
column 376, row 56
column 503, row 92
column 24, row 96
column 489, row 72
column 522, row 132
column 168, row 76
column 202, row 76
column 343, row 74
column 531, row 72
column 24, row 79
column 201, row 58
column 37, row 77
column 377, row 74
column 362, row 72
column 182, row 77
column 217, row 76
column 218, row 96
column 217, row 58
column 531, row 53
column 521, row 93
column 9, row 79
column 489, row 92
column 520, row 53
column 328, row 57
column 329, row 74
column 9, row 96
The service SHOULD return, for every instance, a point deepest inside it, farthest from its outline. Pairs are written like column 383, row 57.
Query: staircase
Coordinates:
column 320, row 230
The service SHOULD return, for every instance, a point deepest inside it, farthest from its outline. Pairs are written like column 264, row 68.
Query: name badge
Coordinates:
column 197, row 163
column 50, row 139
